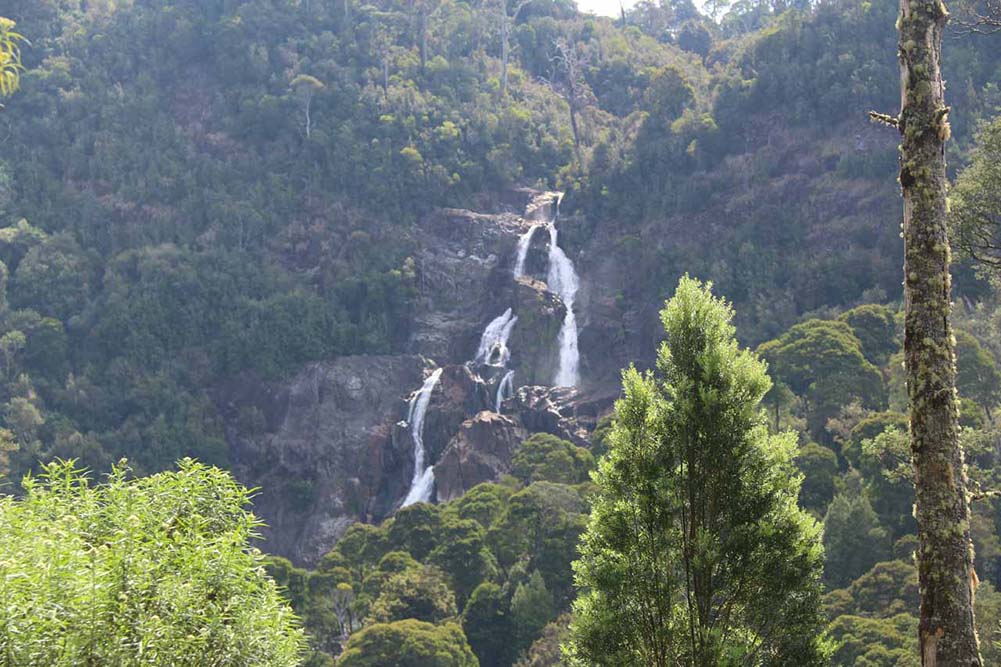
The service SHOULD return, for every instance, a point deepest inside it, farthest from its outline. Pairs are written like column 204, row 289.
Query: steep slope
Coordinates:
column 225, row 203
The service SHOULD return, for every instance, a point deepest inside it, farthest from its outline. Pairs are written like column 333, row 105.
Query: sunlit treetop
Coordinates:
column 10, row 57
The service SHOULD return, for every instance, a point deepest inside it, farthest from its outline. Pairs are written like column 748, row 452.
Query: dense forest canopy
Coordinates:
column 179, row 225
column 201, row 193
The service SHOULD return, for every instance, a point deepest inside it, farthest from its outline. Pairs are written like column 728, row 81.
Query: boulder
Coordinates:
column 481, row 451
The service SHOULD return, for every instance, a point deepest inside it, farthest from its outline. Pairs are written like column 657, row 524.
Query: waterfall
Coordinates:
column 423, row 481
column 523, row 244
column 505, row 389
column 493, row 350
column 563, row 280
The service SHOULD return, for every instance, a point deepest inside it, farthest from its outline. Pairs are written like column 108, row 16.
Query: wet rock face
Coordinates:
column 322, row 447
column 464, row 261
column 481, row 451
column 534, row 347
column 459, row 394
column 331, row 446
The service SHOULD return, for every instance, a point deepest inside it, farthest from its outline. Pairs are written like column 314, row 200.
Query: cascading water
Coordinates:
column 505, row 389
column 422, row 484
column 523, row 244
column 493, row 350
column 563, row 280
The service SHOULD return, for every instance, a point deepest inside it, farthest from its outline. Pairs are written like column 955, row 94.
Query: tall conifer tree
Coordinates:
column 696, row 553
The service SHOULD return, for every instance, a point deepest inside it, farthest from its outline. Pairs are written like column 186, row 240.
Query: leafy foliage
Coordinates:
column 408, row 643
column 696, row 506
column 10, row 57
column 92, row 572
column 546, row 457
column 975, row 211
column 822, row 361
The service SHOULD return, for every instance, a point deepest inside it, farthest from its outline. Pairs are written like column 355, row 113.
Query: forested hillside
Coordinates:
column 247, row 231
column 180, row 225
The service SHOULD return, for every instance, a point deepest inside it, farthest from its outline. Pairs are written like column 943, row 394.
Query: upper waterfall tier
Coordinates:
column 563, row 280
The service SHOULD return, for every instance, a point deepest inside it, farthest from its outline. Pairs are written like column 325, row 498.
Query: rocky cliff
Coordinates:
column 331, row 445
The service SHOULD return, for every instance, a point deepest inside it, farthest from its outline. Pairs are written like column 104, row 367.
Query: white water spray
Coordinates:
column 505, row 389
column 523, row 244
column 563, row 280
column 493, row 349
column 423, row 481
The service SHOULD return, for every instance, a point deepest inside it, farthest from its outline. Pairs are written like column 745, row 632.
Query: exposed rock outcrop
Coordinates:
column 535, row 352
column 464, row 260
column 322, row 447
column 481, row 451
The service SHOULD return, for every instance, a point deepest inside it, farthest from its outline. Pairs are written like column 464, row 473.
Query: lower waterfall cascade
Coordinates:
column 422, row 485
column 505, row 389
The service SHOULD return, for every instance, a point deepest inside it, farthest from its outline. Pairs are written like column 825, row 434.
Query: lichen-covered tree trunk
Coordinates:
column 945, row 558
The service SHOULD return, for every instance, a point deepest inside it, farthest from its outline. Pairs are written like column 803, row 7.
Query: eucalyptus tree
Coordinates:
column 947, row 632
column 507, row 16
column 305, row 87
column 975, row 211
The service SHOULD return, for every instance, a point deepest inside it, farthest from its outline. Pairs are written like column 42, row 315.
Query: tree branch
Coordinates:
column 885, row 119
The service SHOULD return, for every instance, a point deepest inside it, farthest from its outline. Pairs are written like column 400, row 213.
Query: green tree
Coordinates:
column 977, row 375
column 415, row 529
column 422, row 593
column 305, row 88
column 484, row 503
column 91, row 572
column 532, row 607
column 390, row 565
column 822, row 362
column 868, row 428
column 876, row 328
column 540, row 529
column 463, row 556
column 975, row 210
column 696, row 553
column 888, row 589
column 487, row 623
column 819, row 466
column 53, row 278
column 546, row 651
column 546, row 457
column 876, row 642
column 408, row 643
column 854, row 540
column 886, row 467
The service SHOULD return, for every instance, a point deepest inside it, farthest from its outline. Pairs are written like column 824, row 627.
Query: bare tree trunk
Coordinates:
column 947, row 634
column 573, row 126
column 505, row 50
column 424, row 37
column 309, row 124
column 507, row 23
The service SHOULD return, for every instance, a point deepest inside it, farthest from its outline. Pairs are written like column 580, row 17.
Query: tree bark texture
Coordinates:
column 945, row 557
